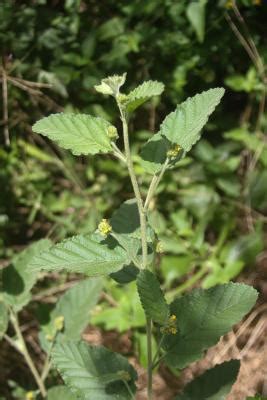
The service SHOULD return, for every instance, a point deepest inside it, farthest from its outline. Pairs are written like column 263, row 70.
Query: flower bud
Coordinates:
column 59, row 323
column 112, row 132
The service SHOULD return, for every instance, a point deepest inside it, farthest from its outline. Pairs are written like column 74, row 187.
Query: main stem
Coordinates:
column 26, row 355
column 141, row 210
column 143, row 227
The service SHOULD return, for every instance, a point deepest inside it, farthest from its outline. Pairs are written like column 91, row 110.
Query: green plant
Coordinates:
column 125, row 248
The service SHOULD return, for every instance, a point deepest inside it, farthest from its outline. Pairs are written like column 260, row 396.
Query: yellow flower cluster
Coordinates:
column 104, row 227
column 159, row 247
column 171, row 327
column 59, row 323
column 112, row 132
column 30, row 396
column 174, row 151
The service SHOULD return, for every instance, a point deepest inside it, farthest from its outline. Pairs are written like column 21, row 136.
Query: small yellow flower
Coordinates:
column 229, row 4
column 159, row 247
column 104, row 227
column 59, row 323
column 174, row 151
column 122, row 98
column 172, row 318
column 30, row 396
column 173, row 330
column 170, row 328
column 257, row 2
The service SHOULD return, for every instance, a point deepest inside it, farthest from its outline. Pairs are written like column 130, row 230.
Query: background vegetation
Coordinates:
column 213, row 209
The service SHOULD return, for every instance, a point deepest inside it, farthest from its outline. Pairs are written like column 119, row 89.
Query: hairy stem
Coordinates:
column 5, row 104
column 154, row 184
column 24, row 351
column 143, row 227
column 141, row 210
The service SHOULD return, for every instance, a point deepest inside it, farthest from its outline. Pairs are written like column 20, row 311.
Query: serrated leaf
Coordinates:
column 60, row 393
column 79, row 133
column 3, row 319
column 76, row 304
column 142, row 93
column 111, row 85
column 203, row 317
column 94, row 372
column 183, row 126
column 151, row 297
column 75, row 307
column 18, row 279
column 214, row 384
column 81, row 254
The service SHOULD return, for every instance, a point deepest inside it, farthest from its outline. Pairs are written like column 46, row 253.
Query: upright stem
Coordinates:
column 5, row 103
column 143, row 226
column 26, row 355
column 141, row 210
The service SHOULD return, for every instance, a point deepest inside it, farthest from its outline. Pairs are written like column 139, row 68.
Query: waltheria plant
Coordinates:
column 124, row 247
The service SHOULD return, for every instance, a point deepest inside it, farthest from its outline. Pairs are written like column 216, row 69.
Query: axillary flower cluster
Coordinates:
column 104, row 227
column 171, row 327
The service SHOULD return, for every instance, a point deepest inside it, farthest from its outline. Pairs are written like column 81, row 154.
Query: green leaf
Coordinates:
column 183, row 126
column 60, row 392
column 3, row 319
column 75, row 307
column 80, row 133
column 81, row 254
column 203, row 317
column 151, row 297
column 111, row 85
column 142, row 93
column 154, row 153
column 18, row 279
column 94, row 372
column 126, row 220
column 214, row 384
column 196, row 14
column 126, row 274
column 76, row 304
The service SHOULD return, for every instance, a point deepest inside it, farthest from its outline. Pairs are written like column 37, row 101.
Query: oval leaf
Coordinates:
column 94, row 372
column 151, row 297
column 214, row 384
column 203, row 317
column 80, row 133
column 142, row 93
column 81, row 254
column 183, row 126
